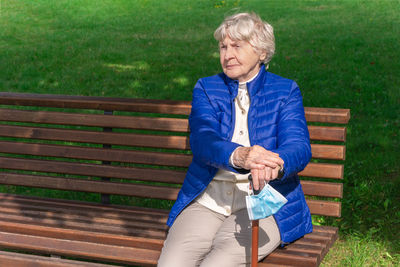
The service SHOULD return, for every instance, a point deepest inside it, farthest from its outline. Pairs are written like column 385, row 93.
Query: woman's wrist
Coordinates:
column 239, row 157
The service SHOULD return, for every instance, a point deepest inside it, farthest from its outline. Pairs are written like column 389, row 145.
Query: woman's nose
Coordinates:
column 228, row 53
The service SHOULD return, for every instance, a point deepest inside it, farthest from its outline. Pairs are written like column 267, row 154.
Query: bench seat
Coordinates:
column 127, row 235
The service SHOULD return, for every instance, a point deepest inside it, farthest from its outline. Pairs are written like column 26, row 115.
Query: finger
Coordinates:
column 273, row 158
column 261, row 178
column 254, row 165
column 265, row 159
column 272, row 163
column 254, row 174
column 268, row 172
column 275, row 173
column 262, row 181
column 267, row 163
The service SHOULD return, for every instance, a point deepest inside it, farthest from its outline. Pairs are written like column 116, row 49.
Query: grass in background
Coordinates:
column 342, row 54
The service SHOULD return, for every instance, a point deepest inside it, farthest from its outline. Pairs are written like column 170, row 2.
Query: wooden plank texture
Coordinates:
column 96, row 137
column 126, row 189
column 326, row 208
column 100, row 103
column 323, row 189
column 335, row 152
column 133, row 239
column 87, row 250
column 328, row 115
column 327, row 133
column 324, row 170
column 97, row 154
column 12, row 259
column 98, row 170
column 95, row 120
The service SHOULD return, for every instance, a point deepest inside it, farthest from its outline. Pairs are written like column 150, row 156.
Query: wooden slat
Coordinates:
column 325, row 237
column 289, row 257
column 326, row 208
column 308, row 248
column 82, row 207
column 79, row 249
column 132, row 234
column 13, row 259
column 98, row 170
column 95, row 120
column 323, row 189
column 128, row 239
column 139, row 226
column 117, row 155
column 79, row 206
column 100, row 103
column 115, row 222
column 334, row 152
column 328, row 115
column 127, row 189
column 262, row 264
column 323, row 170
column 96, row 137
column 327, row 133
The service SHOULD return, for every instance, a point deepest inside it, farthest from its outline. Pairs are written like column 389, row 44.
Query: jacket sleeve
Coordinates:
column 208, row 147
column 293, row 139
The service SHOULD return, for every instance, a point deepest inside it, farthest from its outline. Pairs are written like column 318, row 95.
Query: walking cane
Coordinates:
column 254, row 232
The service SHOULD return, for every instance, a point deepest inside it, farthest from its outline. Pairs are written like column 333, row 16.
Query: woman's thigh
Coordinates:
column 190, row 237
column 232, row 244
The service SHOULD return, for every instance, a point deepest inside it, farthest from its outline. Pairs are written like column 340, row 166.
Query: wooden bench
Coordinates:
column 81, row 177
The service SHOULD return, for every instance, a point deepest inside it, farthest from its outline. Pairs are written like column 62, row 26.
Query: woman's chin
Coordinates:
column 234, row 75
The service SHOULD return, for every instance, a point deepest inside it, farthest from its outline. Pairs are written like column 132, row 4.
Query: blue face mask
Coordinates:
column 266, row 203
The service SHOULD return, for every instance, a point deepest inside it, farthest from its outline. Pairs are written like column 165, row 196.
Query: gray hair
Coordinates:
column 248, row 27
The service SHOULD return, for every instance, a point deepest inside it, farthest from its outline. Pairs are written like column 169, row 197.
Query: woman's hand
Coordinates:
column 262, row 176
column 264, row 164
column 256, row 157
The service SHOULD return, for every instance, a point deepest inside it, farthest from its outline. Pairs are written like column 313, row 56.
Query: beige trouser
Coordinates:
column 202, row 237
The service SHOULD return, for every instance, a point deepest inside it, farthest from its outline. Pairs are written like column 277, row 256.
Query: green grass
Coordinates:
column 342, row 54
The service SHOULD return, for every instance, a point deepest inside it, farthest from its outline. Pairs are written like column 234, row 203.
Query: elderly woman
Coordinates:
column 244, row 120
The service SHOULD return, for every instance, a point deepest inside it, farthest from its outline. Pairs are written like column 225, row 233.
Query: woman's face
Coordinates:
column 239, row 60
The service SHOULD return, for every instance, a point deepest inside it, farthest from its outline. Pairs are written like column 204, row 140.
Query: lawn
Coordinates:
column 342, row 54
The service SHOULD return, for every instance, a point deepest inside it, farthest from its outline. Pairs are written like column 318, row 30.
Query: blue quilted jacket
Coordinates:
column 276, row 122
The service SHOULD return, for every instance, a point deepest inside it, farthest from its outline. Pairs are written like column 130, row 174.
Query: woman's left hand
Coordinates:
column 264, row 175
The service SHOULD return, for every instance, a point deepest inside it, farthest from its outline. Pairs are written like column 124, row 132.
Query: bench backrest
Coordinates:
column 134, row 147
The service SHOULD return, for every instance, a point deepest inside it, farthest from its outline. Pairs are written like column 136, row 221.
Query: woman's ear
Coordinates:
column 263, row 56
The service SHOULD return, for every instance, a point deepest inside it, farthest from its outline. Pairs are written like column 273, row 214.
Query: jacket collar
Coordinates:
column 252, row 87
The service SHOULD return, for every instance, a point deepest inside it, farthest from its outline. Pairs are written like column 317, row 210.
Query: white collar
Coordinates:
column 252, row 78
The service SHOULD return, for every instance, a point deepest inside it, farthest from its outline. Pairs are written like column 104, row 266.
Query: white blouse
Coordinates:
column 226, row 192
